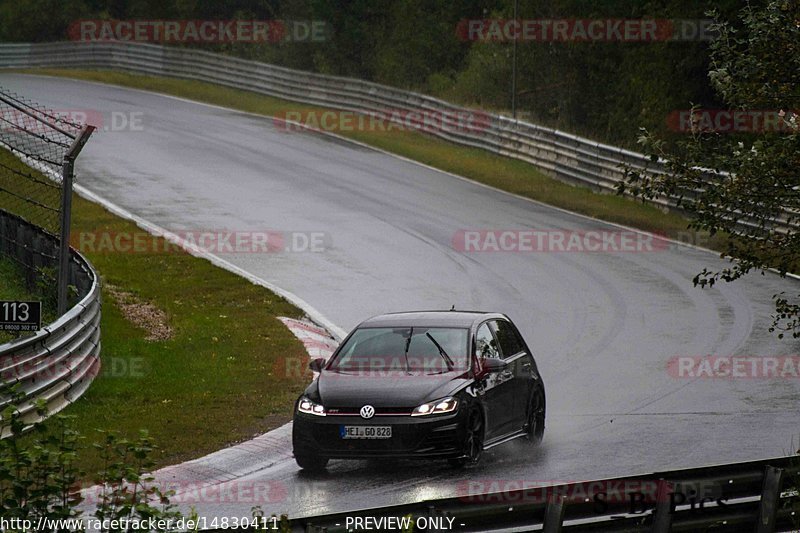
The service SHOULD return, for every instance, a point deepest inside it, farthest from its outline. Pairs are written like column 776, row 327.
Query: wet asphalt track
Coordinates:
column 602, row 325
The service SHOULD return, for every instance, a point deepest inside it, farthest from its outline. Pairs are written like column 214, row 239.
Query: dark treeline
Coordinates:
column 602, row 90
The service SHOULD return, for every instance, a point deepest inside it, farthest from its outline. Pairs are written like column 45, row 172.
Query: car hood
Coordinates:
column 341, row 389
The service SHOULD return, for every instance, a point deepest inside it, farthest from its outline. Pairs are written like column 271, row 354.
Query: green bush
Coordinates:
column 40, row 480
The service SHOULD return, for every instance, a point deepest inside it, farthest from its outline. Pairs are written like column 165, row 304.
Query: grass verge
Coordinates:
column 214, row 379
column 503, row 173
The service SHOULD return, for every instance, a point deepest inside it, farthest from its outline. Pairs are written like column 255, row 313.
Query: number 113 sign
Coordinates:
column 20, row 316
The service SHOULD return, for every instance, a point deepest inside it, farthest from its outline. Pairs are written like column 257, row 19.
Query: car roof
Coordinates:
column 454, row 319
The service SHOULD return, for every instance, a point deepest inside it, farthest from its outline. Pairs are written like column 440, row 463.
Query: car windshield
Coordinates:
column 404, row 350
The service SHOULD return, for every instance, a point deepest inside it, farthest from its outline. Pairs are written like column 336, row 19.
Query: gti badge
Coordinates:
column 367, row 411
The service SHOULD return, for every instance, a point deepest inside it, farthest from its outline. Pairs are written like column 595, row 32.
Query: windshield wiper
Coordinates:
column 444, row 355
column 405, row 352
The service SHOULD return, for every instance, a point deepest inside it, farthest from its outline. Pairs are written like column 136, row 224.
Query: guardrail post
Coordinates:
column 554, row 515
column 770, row 493
column 662, row 517
column 432, row 513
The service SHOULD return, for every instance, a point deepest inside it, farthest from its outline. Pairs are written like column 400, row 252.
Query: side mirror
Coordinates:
column 493, row 365
column 317, row 364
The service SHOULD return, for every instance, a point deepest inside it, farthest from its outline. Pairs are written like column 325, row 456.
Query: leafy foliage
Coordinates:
column 37, row 481
column 602, row 90
column 40, row 480
column 745, row 185
column 126, row 489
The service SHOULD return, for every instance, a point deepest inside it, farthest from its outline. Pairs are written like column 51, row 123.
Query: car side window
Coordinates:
column 510, row 343
column 485, row 344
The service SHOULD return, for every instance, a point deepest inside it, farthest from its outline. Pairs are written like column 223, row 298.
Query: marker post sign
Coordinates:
column 20, row 316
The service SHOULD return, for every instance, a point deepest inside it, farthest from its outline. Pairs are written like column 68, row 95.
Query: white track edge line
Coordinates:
column 216, row 260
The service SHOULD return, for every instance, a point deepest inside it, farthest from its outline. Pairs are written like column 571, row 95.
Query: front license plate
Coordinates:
column 365, row 432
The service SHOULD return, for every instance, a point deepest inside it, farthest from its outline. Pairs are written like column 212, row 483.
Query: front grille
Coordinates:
column 379, row 411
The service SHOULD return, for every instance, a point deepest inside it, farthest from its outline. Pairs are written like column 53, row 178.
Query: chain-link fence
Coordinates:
column 37, row 149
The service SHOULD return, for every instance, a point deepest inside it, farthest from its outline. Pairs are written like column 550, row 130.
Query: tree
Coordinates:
column 743, row 185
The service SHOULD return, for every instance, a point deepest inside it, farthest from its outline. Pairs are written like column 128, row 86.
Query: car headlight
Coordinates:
column 445, row 405
column 311, row 408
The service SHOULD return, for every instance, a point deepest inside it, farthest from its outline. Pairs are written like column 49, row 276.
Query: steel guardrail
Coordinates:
column 758, row 496
column 562, row 155
column 56, row 364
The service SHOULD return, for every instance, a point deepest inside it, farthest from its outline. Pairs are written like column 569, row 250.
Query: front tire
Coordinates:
column 311, row 462
column 473, row 440
column 534, row 426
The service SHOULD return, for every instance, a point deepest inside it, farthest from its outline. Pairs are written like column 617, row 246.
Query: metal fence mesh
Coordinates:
column 33, row 143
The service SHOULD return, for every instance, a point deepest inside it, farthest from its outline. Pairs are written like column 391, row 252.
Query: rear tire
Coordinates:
column 311, row 462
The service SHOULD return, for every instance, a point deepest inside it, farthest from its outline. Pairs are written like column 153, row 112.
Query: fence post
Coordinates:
column 63, row 244
column 67, row 173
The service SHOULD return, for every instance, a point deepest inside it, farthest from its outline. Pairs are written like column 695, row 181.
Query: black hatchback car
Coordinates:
column 429, row 384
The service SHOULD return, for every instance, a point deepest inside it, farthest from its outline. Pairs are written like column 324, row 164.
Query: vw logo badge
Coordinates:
column 367, row 411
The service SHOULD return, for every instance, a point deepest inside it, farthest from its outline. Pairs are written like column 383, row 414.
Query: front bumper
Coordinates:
column 437, row 436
